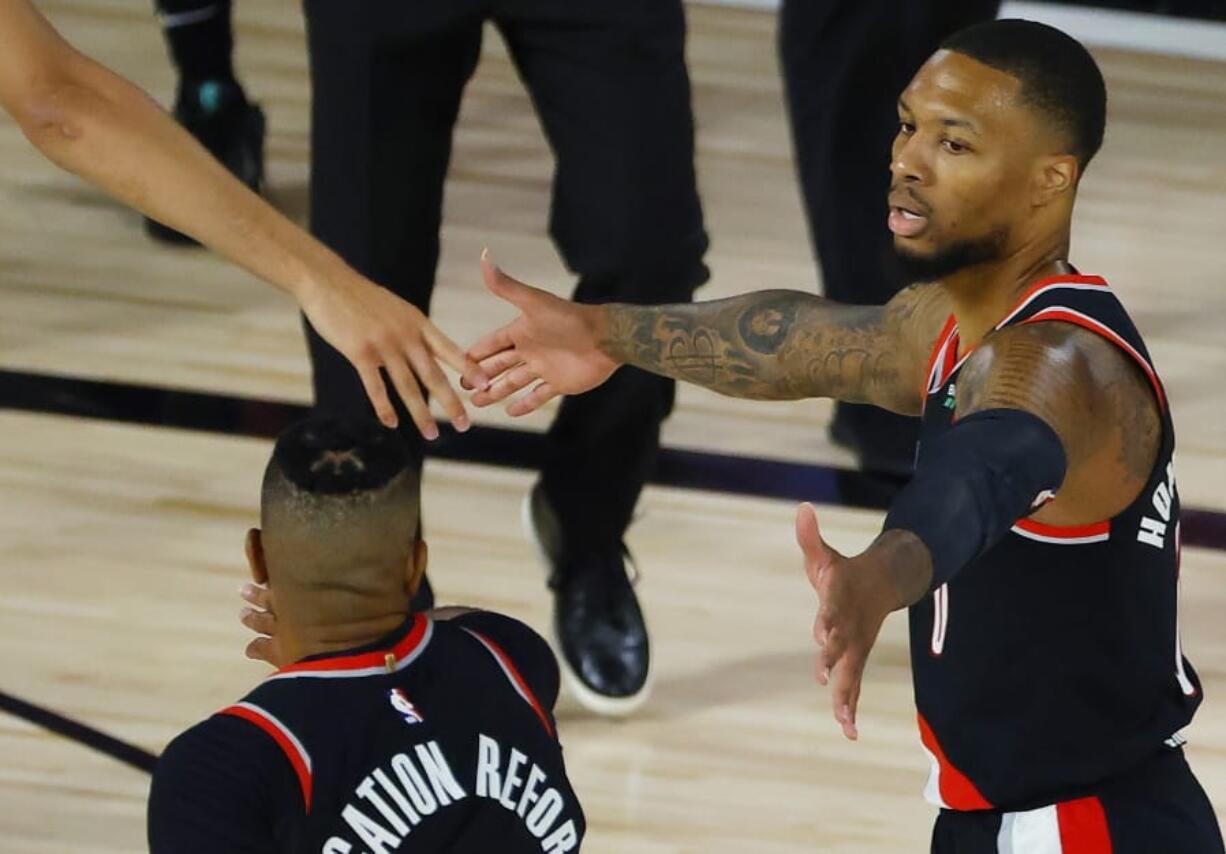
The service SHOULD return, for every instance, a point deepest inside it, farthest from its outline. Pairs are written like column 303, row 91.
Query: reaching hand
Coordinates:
column 373, row 328
column 854, row 598
column 553, row 343
column 262, row 620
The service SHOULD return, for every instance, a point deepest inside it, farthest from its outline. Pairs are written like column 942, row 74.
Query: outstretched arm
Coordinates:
column 99, row 126
column 771, row 345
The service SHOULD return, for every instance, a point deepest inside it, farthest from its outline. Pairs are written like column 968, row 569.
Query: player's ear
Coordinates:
column 418, row 558
column 1054, row 177
column 255, row 556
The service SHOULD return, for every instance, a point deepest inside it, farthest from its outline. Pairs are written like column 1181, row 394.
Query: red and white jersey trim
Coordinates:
column 405, row 653
column 1072, row 283
column 1062, row 535
column 294, row 750
column 513, row 676
column 1071, row 827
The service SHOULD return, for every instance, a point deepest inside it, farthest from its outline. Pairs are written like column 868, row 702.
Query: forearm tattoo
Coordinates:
column 776, row 345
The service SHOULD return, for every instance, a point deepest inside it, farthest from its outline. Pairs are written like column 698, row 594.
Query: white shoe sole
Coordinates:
column 601, row 704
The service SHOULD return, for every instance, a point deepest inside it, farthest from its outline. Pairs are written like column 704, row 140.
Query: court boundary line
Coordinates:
column 83, row 734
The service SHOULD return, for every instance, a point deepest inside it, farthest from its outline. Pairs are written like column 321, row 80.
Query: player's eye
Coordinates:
column 906, row 128
column 955, row 147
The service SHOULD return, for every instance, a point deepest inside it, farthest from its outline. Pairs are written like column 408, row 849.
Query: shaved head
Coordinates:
column 339, row 515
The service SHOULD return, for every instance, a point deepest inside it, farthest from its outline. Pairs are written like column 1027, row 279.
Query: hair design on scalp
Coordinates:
column 1059, row 77
column 336, row 472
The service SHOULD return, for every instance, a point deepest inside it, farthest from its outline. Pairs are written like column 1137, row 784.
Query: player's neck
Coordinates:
column 326, row 635
column 983, row 295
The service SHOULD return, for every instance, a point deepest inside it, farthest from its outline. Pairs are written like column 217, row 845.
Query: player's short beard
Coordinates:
column 950, row 259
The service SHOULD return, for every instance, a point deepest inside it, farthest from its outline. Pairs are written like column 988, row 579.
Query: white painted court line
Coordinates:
column 1098, row 27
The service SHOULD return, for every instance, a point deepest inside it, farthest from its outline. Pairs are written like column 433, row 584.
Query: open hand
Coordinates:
column 554, row 343
column 853, row 601
column 373, row 328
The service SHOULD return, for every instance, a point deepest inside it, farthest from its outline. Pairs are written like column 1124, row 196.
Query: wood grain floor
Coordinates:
column 120, row 546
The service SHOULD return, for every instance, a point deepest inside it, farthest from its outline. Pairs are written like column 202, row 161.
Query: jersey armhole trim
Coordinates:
column 515, row 678
column 295, row 752
column 937, row 350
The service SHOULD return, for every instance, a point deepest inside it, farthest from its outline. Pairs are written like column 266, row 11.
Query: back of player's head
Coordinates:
column 1059, row 78
column 339, row 506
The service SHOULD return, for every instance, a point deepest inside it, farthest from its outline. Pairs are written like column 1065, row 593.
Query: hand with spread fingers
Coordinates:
column 854, row 596
column 373, row 328
column 554, row 344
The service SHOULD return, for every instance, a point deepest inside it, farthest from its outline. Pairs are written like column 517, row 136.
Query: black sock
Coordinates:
column 201, row 41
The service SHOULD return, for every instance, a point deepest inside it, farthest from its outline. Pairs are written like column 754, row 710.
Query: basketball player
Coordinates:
column 391, row 730
column 1037, row 547
column 99, row 126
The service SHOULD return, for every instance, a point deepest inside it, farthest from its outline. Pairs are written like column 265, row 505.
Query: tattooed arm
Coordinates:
column 1090, row 393
column 780, row 345
column 772, row 345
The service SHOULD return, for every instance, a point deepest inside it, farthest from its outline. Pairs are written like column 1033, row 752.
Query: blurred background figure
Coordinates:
column 209, row 100
column 844, row 63
column 611, row 88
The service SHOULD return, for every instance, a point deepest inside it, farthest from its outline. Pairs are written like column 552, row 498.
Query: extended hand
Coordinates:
column 553, row 343
column 853, row 600
column 373, row 328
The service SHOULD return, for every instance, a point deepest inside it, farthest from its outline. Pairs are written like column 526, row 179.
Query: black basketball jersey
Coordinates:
column 439, row 738
column 1052, row 662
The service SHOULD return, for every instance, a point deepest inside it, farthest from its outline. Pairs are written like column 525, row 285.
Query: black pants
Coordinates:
column 845, row 63
column 610, row 86
column 1157, row 808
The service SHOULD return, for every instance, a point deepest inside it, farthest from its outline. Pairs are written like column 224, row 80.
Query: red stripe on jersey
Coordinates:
column 1056, row 281
column 365, row 660
column 1068, row 315
column 520, row 684
column 937, row 349
column 289, row 745
column 1065, row 532
column 957, row 791
column 1083, row 827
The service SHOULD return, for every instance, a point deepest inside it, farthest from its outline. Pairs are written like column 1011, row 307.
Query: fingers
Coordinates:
column 494, row 342
column 260, row 622
column 513, row 381
column 503, row 286
column 431, row 376
column 263, row 649
column 532, row 401
column 845, row 693
column 372, row 382
column 495, row 365
column 809, row 538
column 410, row 394
column 256, row 595
column 472, row 375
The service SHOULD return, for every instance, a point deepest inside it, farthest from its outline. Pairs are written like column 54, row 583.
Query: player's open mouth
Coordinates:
column 906, row 223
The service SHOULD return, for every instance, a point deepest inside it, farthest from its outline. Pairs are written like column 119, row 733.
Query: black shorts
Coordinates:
column 1157, row 808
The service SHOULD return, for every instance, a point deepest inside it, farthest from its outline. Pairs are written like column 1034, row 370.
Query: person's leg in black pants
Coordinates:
column 845, row 63
column 209, row 100
column 610, row 84
column 386, row 92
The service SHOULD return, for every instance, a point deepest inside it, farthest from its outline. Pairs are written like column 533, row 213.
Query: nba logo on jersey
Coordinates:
column 402, row 703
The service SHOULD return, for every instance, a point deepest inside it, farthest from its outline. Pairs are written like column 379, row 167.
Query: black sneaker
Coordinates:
column 598, row 626
column 219, row 115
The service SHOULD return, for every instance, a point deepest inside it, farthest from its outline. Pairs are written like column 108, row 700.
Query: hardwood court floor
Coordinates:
column 121, row 546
